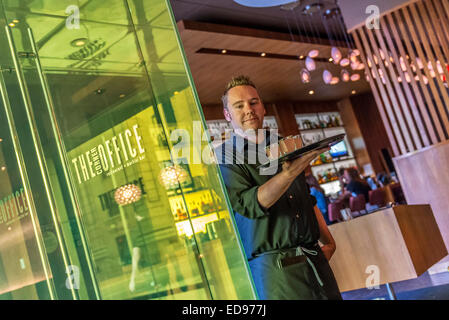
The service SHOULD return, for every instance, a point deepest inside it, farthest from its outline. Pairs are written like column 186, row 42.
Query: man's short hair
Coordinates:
column 235, row 82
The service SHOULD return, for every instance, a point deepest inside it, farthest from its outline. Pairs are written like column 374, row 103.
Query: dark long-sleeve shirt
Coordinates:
column 289, row 223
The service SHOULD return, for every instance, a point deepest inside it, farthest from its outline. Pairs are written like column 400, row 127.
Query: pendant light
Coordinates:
column 345, row 76
column 305, row 76
column 313, row 53
column 310, row 64
column 335, row 80
column 327, row 76
column 355, row 77
column 336, row 55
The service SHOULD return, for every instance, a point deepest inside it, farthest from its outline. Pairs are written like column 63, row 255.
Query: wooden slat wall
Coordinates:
column 413, row 103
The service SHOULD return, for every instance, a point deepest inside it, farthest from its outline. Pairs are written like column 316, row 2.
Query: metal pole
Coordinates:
column 391, row 293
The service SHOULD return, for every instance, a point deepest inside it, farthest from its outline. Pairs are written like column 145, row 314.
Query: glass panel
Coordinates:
column 205, row 200
column 24, row 271
column 43, row 171
column 131, row 223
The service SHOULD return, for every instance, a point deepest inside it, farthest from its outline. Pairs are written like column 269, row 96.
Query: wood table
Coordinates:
column 385, row 246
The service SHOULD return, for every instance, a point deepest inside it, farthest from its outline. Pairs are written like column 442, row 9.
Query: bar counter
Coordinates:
column 389, row 245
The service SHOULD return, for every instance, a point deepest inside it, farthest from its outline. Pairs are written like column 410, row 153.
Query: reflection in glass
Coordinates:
column 106, row 97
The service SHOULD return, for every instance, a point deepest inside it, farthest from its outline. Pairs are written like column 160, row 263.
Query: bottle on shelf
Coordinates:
column 320, row 178
column 337, row 121
column 194, row 209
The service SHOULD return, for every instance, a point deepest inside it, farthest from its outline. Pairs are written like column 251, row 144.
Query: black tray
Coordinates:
column 311, row 147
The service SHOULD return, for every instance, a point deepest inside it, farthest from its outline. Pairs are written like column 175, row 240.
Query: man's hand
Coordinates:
column 328, row 251
column 273, row 189
column 292, row 169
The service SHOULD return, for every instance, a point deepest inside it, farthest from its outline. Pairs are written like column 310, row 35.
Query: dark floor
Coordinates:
column 425, row 287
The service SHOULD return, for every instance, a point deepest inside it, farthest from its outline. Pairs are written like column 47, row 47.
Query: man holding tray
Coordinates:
column 278, row 221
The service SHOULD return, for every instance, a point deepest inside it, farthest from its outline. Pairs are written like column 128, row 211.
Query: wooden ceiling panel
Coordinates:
column 276, row 79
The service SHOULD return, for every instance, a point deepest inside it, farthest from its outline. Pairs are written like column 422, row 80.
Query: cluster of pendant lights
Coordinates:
column 413, row 66
column 352, row 60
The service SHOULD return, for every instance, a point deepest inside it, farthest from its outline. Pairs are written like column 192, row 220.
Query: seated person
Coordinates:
column 318, row 193
column 355, row 185
column 372, row 183
column 383, row 179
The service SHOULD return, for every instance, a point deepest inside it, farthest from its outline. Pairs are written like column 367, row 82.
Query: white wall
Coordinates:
column 354, row 11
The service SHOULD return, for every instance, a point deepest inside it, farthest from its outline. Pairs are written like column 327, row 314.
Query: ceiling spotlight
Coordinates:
column 99, row 91
column 311, row 92
column 263, row 54
column 312, row 8
column 301, row 57
column 330, row 59
column 122, row 95
column 353, row 92
column 80, row 42
column 223, row 51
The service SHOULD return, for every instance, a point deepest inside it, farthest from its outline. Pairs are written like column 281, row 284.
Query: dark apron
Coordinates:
column 289, row 275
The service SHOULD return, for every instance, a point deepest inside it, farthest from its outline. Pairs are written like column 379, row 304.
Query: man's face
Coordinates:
column 245, row 109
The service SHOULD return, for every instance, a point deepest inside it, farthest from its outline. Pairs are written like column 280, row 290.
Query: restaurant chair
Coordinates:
column 397, row 192
column 378, row 197
column 333, row 209
column 357, row 205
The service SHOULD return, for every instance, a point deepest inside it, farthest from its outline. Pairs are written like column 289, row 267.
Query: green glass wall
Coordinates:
column 102, row 196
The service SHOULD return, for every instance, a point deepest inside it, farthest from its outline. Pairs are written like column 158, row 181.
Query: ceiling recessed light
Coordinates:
column 330, row 59
column 311, row 92
column 263, row 54
column 99, row 91
column 353, row 92
column 301, row 57
column 80, row 42
column 122, row 95
column 223, row 51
